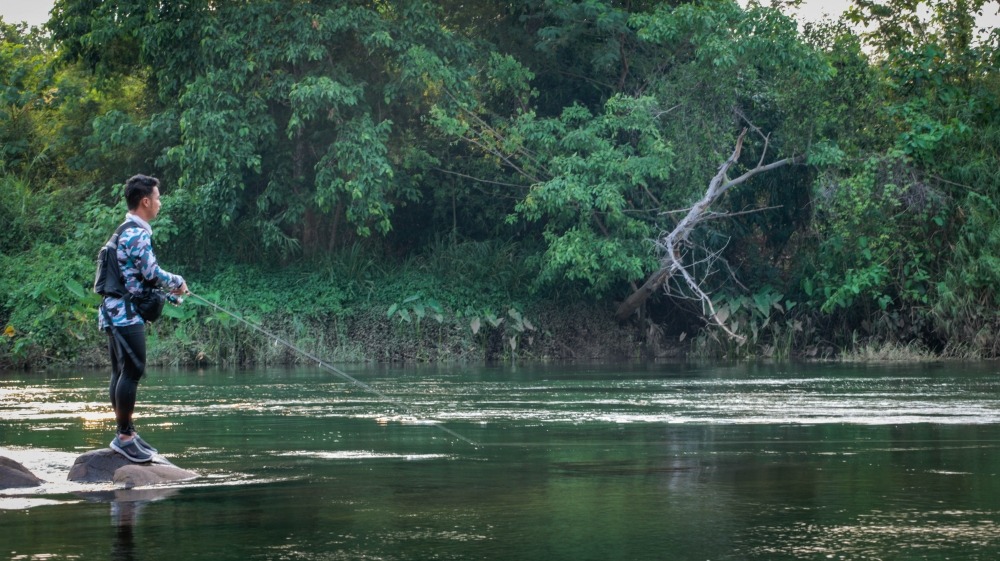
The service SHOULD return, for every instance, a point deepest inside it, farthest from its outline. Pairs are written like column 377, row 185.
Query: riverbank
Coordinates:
column 428, row 311
column 556, row 333
column 565, row 333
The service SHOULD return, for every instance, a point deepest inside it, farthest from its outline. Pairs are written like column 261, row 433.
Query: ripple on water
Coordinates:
column 358, row 455
column 913, row 534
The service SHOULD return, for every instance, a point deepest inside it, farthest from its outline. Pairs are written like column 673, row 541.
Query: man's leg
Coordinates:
column 130, row 347
column 127, row 384
column 116, row 369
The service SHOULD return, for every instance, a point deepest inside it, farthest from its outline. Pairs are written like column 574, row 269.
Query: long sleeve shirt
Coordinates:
column 138, row 264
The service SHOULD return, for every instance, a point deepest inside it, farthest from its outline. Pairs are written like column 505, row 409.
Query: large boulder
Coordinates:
column 13, row 474
column 143, row 475
column 107, row 466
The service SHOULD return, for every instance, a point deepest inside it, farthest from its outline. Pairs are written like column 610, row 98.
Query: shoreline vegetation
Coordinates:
column 510, row 181
column 328, row 319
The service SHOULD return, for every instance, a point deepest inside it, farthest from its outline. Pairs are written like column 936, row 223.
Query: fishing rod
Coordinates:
column 323, row 364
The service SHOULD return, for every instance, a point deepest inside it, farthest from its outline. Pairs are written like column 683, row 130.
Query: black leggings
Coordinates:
column 125, row 372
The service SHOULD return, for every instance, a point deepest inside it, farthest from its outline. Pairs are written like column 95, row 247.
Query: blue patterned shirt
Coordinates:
column 138, row 263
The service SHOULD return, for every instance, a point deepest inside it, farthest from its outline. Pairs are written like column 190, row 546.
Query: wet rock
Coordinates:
column 97, row 466
column 13, row 474
column 108, row 466
column 142, row 475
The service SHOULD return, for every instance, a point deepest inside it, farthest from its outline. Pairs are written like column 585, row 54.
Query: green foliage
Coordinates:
column 896, row 257
column 25, row 77
column 881, row 241
column 329, row 161
column 518, row 328
column 764, row 320
column 296, row 291
column 967, row 304
column 284, row 133
column 484, row 324
column 46, row 304
column 46, row 285
column 600, row 169
column 414, row 309
column 601, row 172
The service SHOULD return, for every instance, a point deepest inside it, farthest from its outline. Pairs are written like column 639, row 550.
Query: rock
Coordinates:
column 97, row 466
column 142, row 475
column 107, row 466
column 13, row 474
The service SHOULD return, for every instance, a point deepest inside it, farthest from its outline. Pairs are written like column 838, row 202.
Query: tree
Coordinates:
column 599, row 183
column 291, row 121
column 901, row 212
column 674, row 246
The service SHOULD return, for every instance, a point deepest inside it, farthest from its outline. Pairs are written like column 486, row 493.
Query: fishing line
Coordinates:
column 329, row 366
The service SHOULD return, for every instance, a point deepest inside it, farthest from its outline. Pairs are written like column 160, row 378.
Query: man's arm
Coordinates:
column 140, row 249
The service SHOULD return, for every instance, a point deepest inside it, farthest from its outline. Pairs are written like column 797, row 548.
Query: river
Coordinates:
column 669, row 461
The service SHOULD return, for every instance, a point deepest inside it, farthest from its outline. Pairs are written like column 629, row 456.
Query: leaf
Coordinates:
column 173, row 312
column 474, row 325
column 807, row 286
column 493, row 320
column 722, row 315
column 76, row 290
column 392, row 310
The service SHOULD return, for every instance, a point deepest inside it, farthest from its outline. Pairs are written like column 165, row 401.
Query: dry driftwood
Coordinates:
column 674, row 246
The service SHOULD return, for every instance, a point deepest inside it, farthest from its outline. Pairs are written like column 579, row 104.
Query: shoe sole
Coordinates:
column 129, row 457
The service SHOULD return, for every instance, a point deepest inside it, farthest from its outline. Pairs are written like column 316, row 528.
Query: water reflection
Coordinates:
column 910, row 534
column 126, row 507
column 651, row 463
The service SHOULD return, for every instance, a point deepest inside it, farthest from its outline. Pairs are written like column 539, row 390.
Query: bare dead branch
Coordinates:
column 763, row 152
column 666, row 111
column 717, row 215
column 758, row 170
column 678, row 263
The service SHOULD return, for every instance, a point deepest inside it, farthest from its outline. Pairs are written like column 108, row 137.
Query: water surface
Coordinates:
column 665, row 461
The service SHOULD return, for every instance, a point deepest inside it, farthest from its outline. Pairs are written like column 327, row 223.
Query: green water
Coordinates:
column 665, row 461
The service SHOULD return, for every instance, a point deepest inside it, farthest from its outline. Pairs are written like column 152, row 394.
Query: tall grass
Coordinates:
column 888, row 351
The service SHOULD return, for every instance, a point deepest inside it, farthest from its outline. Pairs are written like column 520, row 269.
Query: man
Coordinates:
column 120, row 318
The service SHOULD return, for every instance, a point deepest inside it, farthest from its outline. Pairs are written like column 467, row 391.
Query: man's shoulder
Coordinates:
column 134, row 234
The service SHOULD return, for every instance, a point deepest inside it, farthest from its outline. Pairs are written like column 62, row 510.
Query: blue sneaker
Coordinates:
column 138, row 440
column 143, row 444
column 131, row 450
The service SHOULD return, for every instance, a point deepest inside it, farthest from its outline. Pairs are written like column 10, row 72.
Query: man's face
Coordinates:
column 152, row 203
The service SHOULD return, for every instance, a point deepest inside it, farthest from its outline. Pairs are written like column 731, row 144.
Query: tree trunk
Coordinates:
column 673, row 244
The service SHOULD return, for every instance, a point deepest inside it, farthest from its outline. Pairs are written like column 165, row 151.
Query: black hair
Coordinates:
column 137, row 188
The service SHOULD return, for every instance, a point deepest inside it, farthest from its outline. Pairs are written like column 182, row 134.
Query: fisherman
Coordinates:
column 121, row 319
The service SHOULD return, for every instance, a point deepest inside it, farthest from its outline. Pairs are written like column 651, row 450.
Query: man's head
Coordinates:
column 142, row 195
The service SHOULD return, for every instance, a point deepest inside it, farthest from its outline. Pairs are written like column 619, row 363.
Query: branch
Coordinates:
column 758, row 170
column 480, row 180
column 671, row 245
